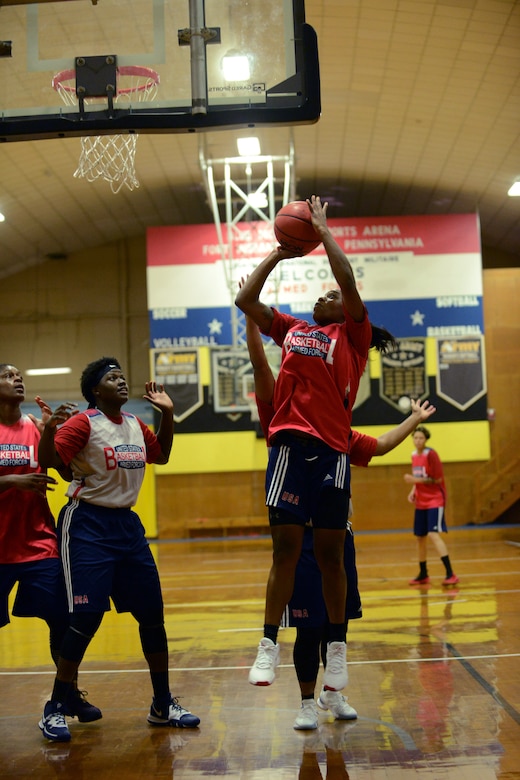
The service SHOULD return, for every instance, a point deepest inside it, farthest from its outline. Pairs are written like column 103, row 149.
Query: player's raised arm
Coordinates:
column 339, row 263
column 248, row 296
column 389, row 440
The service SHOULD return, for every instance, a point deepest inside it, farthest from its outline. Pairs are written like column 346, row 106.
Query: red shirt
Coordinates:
column 27, row 529
column 362, row 448
column 428, row 495
column 319, row 376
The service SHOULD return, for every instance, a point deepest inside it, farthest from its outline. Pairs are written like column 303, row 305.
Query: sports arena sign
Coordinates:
column 418, row 275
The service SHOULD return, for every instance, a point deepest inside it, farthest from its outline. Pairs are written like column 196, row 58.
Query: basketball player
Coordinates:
column 28, row 545
column 306, row 609
column 428, row 493
column 308, row 471
column 102, row 541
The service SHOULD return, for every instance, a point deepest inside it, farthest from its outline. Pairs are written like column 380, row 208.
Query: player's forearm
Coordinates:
column 249, row 293
column 165, row 436
column 344, row 275
column 389, row 440
column 47, row 455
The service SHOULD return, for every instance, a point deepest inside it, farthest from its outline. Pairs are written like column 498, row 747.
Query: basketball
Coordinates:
column 293, row 228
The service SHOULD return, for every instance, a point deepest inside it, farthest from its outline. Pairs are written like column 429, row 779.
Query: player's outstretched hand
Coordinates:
column 422, row 409
column 286, row 253
column 46, row 413
column 35, row 483
column 157, row 396
column 61, row 414
column 318, row 213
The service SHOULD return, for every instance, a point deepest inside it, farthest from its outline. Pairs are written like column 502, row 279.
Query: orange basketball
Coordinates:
column 293, row 228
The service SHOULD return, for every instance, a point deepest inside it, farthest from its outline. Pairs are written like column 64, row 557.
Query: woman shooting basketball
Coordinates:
column 308, row 470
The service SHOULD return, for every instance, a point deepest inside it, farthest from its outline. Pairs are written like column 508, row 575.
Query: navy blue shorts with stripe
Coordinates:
column 307, row 607
column 429, row 521
column 299, row 472
column 105, row 554
column 40, row 592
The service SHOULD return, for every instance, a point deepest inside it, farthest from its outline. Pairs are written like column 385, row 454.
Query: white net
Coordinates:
column 111, row 157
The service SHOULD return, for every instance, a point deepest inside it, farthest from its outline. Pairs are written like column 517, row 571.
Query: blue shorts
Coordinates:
column 40, row 592
column 299, row 478
column 307, row 607
column 429, row 521
column 105, row 555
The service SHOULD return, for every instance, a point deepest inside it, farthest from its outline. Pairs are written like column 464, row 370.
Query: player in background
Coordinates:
column 308, row 471
column 428, row 493
column 28, row 545
column 102, row 541
column 306, row 609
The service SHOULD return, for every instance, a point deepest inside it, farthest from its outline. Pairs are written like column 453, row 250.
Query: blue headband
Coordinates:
column 101, row 373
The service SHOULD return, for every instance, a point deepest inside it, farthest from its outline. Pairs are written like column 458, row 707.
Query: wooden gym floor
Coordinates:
column 434, row 675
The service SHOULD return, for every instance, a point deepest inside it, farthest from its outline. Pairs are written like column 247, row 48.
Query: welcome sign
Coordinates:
column 420, row 276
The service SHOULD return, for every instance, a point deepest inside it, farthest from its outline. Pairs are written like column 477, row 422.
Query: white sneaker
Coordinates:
column 336, row 676
column 267, row 659
column 337, row 704
column 307, row 717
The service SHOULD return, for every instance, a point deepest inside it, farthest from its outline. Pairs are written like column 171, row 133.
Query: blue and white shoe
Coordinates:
column 53, row 724
column 173, row 715
column 78, row 707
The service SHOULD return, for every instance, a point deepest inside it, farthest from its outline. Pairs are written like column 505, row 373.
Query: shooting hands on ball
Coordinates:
column 318, row 214
column 286, row 253
column 248, row 297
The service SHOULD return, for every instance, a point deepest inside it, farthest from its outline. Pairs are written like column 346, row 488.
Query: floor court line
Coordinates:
column 411, row 595
column 177, row 669
column 486, row 685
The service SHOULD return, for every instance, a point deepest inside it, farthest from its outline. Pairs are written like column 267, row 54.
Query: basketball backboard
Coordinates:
column 194, row 48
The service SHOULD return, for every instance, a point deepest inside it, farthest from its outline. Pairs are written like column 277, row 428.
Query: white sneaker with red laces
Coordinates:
column 267, row 659
column 337, row 704
column 336, row 676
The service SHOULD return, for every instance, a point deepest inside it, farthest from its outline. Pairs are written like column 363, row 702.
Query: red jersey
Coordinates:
column 27, row 529
column 362, row 448
column 319, row 376
column 265, row 415
column 428, row 495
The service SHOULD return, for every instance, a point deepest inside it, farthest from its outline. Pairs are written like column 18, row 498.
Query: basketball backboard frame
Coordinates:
column 292, row 99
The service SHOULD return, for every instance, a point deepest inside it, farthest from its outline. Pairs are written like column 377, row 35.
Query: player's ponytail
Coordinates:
column 382, row 340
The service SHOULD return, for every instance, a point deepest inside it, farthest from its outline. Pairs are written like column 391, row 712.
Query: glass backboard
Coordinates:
column 78, row 67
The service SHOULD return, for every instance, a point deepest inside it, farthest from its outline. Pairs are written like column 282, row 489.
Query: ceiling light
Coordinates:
column 235, row 66
column 258, row 199
column 514, row 190
column 2, row 218
column 248, row 147
column 48, row 371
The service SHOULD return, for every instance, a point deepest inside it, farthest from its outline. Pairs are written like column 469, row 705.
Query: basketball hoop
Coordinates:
column 111, row 157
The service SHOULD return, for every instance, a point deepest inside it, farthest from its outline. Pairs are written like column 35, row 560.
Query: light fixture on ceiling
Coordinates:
column 514, row 190
column 258, row 199
column 248, row 147
column 2, row 217
column 48, row 371
column 235, row 66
